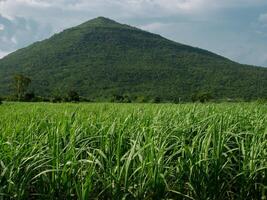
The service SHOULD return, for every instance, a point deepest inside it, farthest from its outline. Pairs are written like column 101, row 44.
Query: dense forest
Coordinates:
column 103, row 60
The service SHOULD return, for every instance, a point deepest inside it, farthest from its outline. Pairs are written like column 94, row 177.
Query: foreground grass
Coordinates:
column 116, row 151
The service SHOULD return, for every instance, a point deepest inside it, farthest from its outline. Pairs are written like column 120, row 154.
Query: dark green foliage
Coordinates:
column 176, row 100
column 157, row 100
column 261, row 101
column 101, row 58
column 117, row 98
column 56, row 99
column 127, row 99
column 141, row 99
column 21, row 84
column 73, row 96
column 30, row 96
column 202, row 97
column 41, row 99
column 57, row 96
column 122, row 99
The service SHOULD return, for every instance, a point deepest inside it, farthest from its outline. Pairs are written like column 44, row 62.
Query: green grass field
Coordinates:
column 133, row 151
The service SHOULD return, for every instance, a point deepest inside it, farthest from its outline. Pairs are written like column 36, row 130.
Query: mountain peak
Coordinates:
column 102, row 22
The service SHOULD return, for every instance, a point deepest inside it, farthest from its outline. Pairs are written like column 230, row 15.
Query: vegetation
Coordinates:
column 202, row 97
column 133, row 151
column 101, row 59
column 21, row 84
column 73, row 96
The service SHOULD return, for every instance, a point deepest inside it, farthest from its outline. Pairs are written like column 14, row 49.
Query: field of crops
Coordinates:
column 128, row 151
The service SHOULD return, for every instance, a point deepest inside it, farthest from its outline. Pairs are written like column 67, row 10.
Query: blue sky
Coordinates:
column 236, row 29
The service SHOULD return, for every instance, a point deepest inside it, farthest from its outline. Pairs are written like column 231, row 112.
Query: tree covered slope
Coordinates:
column 102, row 58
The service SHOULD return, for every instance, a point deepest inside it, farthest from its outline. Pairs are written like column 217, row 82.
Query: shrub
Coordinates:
column 127, row 99
column 56, row 99
column 117, row 98
column 141, row 99
column 201, row 97
column 73, row 96
column 30, row 96
column 156, row 100
column 261, row 101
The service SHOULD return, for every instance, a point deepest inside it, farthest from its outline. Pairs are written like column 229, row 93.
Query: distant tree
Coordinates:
column 204, row 97
column 29, row 96
column 0, row 100
column 126, row 99
column 56, row 99
column 177, row 100
column 261, row 101
column 73, row 96
column 201, row 97
column 117, row 98
column 21, row 84
column 56, row 96
column 194, row 97
column 157, row 100
column 141, row 99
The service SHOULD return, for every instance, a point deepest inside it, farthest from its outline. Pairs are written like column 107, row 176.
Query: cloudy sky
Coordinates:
column 236, row 29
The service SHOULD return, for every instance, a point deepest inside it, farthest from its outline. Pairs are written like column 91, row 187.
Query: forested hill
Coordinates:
column 102, row 58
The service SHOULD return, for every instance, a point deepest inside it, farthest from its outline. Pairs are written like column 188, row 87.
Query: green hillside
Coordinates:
column 102, row 58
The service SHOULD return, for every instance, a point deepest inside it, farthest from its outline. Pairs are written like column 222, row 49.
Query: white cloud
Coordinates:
column 245, row 47
column 3, row 54
column 263, row 18
column 19, row 32
column 121, row 7
column 2, row 27
column 14, row 40
column 156, row 26
column 66, row 13
column 264, row 59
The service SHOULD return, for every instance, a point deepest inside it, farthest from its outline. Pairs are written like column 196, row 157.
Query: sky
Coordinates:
column 236, row 29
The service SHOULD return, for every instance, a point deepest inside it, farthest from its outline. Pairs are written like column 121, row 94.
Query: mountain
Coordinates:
column 102, row 58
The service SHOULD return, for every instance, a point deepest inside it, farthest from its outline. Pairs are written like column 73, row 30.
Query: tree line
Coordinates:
column 21, row 84
column 20, row 87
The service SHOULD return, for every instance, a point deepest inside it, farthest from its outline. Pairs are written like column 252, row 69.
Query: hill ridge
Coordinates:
column 102, row 58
